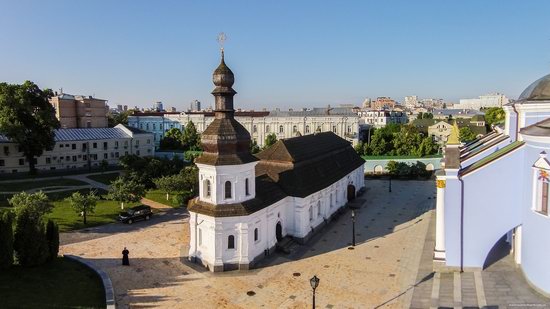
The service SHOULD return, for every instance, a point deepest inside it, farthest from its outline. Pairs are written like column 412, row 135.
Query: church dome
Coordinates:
column 223, row 76
column 539, row 90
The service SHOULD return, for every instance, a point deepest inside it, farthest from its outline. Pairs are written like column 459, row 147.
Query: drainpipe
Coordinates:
column 517, row 120
column 461, row 223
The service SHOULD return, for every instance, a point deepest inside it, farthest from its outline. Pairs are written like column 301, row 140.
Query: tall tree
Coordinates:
column 270, row 139
column 466, row 134
column 170, row 184
column 126, row 190
column 190, row 137
column 38, row 203
column 83, row 203
column 6, row 239
column 28, row 119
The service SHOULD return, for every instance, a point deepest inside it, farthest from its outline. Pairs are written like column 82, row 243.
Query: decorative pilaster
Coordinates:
column 439, row 252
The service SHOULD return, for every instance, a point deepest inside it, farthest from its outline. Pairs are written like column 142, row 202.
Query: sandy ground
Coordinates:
column 379, row 273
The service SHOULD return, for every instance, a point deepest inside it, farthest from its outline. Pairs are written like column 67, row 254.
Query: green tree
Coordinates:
column 360, row 148
column 191, row 179
column 172, row 140
column 190, row 138
column 6, row 239
column 126, row 191
column 37, row 203
column 52, row 236
column 28, row 119
column 83, row 203
column 427, row 116
column 104, row 164
column 170, row 184
column 30, row 243
column 254, row 148
column 407, row 141
column 494, row 115
column 466, row 134
column 426, row 147
column 270, row 139
column 392, row 167
column 114, row 119
column 378, row 145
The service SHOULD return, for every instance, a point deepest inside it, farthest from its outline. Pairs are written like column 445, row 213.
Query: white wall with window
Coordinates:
column 226, row 184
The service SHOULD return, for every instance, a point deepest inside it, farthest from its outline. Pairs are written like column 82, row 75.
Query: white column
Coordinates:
column 439, row 253
column 516, row 245
column 243, row 247
column 219, row 236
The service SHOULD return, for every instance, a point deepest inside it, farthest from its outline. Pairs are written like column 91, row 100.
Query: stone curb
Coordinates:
column 106, row 281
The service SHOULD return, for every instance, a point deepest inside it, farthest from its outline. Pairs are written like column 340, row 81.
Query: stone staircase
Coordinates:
column 287, row 245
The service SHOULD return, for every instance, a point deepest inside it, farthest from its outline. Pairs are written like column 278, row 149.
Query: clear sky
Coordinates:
column 283, row 53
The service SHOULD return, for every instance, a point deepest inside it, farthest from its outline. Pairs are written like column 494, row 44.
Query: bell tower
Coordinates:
column 226, row 167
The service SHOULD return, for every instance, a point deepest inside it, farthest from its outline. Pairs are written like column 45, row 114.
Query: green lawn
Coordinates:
column 33, row 184
column 59, row 284
column 160, row 197
column 105, row 178
column 63, row 214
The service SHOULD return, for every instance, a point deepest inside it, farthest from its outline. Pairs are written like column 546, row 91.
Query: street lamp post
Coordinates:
column 389, row 189
column 314, row 284
column 353, row 227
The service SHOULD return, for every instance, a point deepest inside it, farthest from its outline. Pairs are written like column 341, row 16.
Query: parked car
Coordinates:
column 141, row 212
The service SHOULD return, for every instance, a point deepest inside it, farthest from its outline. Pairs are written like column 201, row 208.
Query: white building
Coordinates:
column 380, row 118
column 285, row 124
column 80, row 148
column 496, row 188
column 247, row 204
column 411, row 101
column 484, row 101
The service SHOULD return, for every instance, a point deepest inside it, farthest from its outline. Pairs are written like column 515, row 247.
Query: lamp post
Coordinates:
column 314, row 284
column 389, row 188
column 353, row 227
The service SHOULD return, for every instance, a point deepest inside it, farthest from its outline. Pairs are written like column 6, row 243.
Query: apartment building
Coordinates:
column 77, row 111
column 80, row 148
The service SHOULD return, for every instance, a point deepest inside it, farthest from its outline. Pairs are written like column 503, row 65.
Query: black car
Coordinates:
column 141, row 212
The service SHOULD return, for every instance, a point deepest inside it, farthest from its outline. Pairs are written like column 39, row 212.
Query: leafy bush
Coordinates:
column 6, row 239
column 37, row 203
column 52, row 236
column 30, row 243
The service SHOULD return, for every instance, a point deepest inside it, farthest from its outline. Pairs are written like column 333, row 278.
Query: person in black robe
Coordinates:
column 125, row 259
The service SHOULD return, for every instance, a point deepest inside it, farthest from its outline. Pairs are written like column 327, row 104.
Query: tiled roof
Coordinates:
column 492, row 157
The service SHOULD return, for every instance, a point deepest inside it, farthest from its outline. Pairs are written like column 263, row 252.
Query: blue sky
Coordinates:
column 283, row 53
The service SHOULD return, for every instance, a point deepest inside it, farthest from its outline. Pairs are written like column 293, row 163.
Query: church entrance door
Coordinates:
column 279, row 231
column 351, row 192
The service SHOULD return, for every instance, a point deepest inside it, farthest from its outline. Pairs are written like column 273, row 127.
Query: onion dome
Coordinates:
column 537, row 91
column 225, row 141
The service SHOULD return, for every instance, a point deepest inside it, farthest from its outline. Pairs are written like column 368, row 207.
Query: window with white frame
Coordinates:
column 541, row 205
column 227, row 189
column 246, row 190
column 207, row 189
column 256, row 234
column 310, row 213
column 231, row 242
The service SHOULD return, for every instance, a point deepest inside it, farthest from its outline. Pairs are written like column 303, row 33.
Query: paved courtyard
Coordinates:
column 380, row 272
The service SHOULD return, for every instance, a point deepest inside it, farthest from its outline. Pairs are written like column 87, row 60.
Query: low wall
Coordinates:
column 107, row 284
column 379, row 165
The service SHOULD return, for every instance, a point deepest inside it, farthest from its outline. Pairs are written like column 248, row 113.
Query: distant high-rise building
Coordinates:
column 195, row 105
column 173, row 109
column 125, row 108
column 158, row 107
column 119, row 108
column 484, row 101
column 411, row 101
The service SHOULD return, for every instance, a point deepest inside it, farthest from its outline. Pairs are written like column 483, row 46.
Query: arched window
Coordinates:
column 266, row 129
column 294, row 129
column 334, row 129
column 228, row 189
column 310, row 213
column 246, row 190
column 256, row 234
column 231, row 242
column 254, row 129
column 307, row 129
column 318, row 208
column 207, row 189
column 281, row 129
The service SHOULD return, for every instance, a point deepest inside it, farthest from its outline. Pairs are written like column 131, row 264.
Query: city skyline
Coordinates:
column 284, row 55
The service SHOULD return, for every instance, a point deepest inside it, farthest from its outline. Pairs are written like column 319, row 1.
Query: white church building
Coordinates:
column 498, row 186
column 247, row 203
